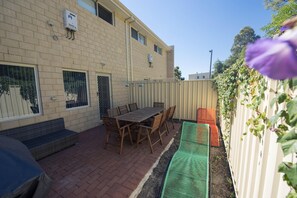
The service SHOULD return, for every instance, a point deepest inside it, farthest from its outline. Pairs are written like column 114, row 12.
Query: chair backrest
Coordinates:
column 123, row 109
column 158, row 104
column 171, row 113
column 113, row 112
column 133, row 106
column 111, row 124
column 156, row 122
column 165, row 116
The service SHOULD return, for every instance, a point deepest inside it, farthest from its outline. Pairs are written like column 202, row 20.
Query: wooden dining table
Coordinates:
column 140, row 115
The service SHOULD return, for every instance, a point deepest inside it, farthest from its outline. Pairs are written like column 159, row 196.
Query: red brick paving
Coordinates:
column 89, row 170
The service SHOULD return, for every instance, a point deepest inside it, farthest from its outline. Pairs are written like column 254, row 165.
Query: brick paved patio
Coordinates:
column 89, row 170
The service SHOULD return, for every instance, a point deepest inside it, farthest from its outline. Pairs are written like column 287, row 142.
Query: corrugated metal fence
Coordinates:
column 186, row 95
column 253, row 161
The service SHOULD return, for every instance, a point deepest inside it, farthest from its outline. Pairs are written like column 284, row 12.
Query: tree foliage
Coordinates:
column 285, row 12
column 177, row 73
column 254, row 87
column 245, row 36
column 275, row 4
column 219, row 68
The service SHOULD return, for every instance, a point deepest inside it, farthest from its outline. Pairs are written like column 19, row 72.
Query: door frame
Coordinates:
column 110, row 89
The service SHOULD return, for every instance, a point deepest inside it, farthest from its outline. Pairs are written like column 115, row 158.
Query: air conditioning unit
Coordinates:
column 150, row 58
column 70, row 20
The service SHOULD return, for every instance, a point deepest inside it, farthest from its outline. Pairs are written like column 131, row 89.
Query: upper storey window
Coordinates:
column 97, row 9
column 158, row 49
column 137, row 36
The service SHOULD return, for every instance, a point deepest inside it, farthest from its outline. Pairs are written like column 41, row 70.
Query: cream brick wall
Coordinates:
column 26, row 38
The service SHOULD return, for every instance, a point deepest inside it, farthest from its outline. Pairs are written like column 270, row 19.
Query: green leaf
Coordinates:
column 292, row 194
column 275, row 118
column 290, row 171
column 288, row 142
column 292, row 112
column 293, row 83
column 288, row 136
column 273, row 101
column 282, row 97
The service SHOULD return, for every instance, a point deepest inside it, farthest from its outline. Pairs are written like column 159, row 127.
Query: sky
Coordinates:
column 196, row 26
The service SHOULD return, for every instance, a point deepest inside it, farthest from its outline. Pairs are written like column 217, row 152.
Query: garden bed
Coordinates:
column 221, row 181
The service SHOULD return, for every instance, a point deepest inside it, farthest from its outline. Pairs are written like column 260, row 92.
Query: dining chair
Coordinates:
column 158, row 104
column 146, row 132
column 133, row 106
column 163, row 125
column 170, row 115
column 112, row 126
column 113, row 112
column 123, row 109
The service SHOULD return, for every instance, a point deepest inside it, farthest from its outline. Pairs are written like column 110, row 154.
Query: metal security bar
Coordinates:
column 75, row 87
column 18, row 92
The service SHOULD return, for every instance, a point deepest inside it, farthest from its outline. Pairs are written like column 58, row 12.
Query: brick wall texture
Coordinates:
column 99, row 48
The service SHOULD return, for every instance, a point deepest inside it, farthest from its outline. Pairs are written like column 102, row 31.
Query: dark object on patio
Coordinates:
column 158, row 104
column 123, row 109
column 133, row 106
column 112, row 126
column 21, row 176
column 149, row 131
column 43, row 138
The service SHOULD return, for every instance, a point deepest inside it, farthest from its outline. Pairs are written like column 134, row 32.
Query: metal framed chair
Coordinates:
column 123, row 109
column 133, row 106
column 146, row 132
column 112, row 126
column 158, row 104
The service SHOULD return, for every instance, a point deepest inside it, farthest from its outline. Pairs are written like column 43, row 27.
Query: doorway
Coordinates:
column 103, row 83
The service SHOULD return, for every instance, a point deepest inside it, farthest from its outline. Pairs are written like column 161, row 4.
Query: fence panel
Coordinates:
column 186, row 95
column 253, row 161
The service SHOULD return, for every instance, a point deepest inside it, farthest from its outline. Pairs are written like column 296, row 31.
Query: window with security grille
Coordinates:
column 104, row 94
column 105, row 14
column 75, row 89
column 19, row 95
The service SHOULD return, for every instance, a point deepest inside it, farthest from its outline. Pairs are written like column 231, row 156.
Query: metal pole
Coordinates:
column 210, row 63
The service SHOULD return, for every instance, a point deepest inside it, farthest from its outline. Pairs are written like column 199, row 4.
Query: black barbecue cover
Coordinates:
column 20, row 175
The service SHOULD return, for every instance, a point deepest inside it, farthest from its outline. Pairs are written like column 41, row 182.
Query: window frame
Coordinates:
column 107, row 10
column 81, row 4
column 157, row 49
column 38, row 95
column 138, row 36
column 87, row 88
column 97, row 5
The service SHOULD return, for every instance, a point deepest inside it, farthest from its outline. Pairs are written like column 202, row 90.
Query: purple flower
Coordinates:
column 284, row 28
column 275, row 58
